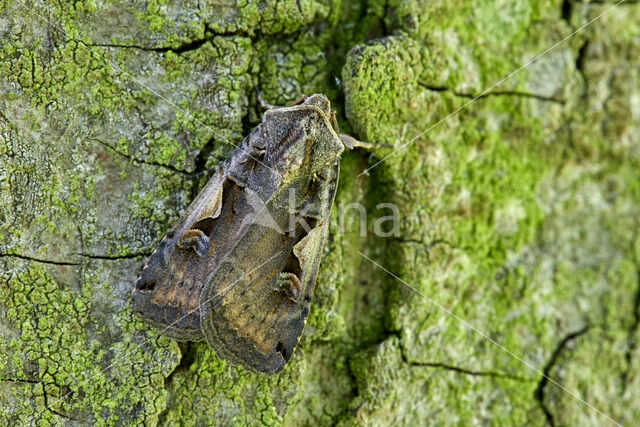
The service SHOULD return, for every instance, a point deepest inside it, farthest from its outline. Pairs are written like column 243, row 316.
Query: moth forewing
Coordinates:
column 163, row 294
column 247, row 316
column 167, row 292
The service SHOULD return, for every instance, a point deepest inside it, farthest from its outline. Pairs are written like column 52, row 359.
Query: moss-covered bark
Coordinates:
column 519, row 213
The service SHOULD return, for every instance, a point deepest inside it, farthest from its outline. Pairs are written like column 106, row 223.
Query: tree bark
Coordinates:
column 510, row 293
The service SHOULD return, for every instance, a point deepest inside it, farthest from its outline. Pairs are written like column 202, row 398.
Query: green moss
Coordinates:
column 479, row 233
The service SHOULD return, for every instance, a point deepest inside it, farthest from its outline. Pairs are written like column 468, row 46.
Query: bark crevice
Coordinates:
column 540, row 390
column 460, row 370
column 515, row 93
column 145, row 162
column 115, row 257
column 35, row 259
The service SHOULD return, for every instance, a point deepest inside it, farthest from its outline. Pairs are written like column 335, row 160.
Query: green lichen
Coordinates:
column 516, row 211
column 61, row 335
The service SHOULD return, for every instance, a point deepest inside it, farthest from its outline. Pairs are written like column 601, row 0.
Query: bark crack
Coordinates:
column 566, row 10
column 42, row 260
column 209, row 34
column 200, row 161
column 200, row 165
column 467, row 371
column 18, row 380
column 495, row 374
column 185, row 47
column 114, row 257
column 81, row 254
column 457, row 369
column 187, row 358
column 516, row 93
column 539, row 393
column 48, row 408
column 44, row 394
column 189, row 46
column 580, row 60
column 135, row 159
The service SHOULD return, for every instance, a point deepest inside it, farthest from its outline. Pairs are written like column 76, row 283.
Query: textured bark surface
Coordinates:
column 519, row 214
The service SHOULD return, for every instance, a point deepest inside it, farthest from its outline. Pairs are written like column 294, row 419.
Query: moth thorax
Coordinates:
column 195, row 239
column 320, row 101
column 288, row 153
column 289, row 286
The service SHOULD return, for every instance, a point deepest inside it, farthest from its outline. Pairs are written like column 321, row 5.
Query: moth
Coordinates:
column 239, row 267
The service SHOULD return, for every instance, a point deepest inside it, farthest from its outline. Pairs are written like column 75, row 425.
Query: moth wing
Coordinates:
column 254, row 308
column 167, row 291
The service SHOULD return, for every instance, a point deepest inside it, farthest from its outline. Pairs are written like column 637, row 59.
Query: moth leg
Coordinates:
column 289, row 286
column 351, row 143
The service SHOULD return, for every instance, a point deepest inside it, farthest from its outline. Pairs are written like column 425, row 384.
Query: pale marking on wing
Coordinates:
column 307, row 247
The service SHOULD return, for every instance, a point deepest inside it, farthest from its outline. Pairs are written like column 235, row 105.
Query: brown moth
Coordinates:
column 238, row 268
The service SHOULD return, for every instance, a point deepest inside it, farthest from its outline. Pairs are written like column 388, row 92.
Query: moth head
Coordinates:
column 302, row 138
column 320, row 101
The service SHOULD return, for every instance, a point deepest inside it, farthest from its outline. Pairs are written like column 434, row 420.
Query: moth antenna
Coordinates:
column 352, row 143
column 334, row 121
column 264, row 104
